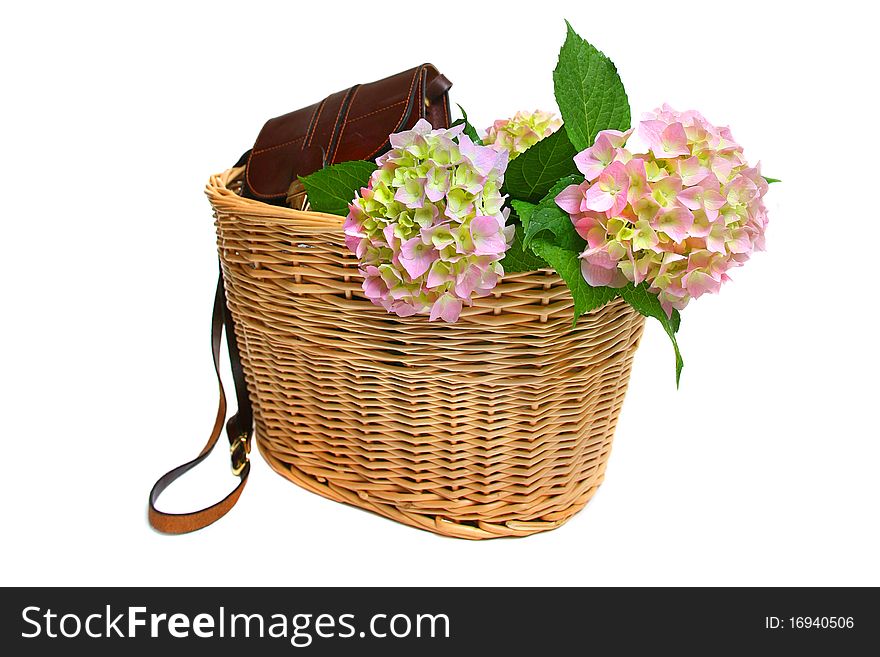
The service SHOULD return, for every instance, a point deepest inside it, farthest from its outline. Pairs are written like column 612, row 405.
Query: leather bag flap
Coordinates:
column 353, row 124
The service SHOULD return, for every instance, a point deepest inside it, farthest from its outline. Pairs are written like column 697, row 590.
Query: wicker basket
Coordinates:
column 498, row 425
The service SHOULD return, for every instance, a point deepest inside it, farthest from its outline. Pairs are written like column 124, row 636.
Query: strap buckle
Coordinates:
column 239, row 451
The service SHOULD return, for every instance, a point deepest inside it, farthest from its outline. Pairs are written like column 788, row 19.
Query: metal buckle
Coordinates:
column 239, row 451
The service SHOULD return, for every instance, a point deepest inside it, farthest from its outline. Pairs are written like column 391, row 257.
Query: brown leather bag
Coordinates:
column 352, row 124
column 349, row 125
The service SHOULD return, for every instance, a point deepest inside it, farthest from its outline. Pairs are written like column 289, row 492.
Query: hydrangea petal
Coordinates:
column 675, row 222
column 570, row 198
column 447, row 308
column 487, row 236
column 601, row 276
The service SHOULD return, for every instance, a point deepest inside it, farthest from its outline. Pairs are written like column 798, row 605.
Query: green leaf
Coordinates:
column 549, row 233
column 589, row 92
column 551, row 218
column 531, row 175
column 568, row 266
column 469, row 130
column 770, row 181
column 646, row 302
column 331, row 189
column 520, row 259
column 523, row 210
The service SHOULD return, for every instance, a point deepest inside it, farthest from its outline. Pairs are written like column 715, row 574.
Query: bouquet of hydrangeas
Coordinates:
column 657, row 213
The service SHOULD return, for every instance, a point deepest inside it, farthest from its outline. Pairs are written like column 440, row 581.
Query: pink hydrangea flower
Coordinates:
column 429, row 229
column 679, row 217
column 602, row 153
column 519, row 133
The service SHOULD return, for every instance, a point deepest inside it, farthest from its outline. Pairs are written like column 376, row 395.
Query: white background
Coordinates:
column 761, row 469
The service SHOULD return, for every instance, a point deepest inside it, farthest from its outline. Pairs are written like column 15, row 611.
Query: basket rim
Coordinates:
column 223, row 198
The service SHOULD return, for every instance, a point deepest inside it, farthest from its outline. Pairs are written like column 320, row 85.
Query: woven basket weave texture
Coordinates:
column 498, row 425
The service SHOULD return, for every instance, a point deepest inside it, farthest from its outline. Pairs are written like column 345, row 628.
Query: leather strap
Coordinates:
column 437, row 87
column 239, row 430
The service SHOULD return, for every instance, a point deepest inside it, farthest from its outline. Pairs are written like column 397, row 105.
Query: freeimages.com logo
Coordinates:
column 300, row 629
